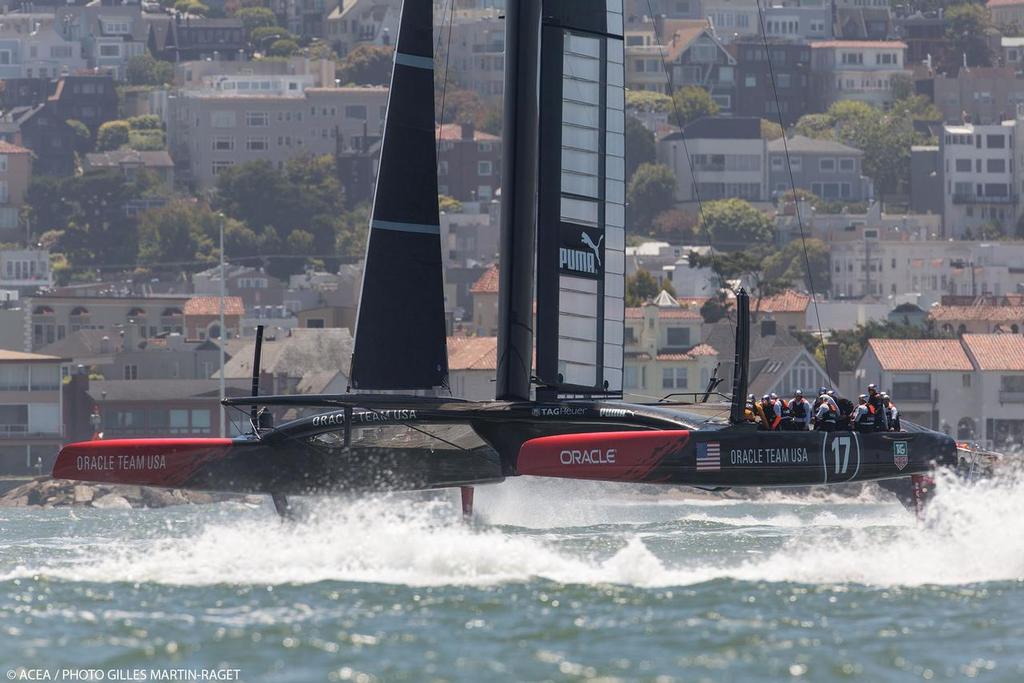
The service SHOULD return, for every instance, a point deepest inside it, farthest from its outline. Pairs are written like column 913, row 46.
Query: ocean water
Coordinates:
column 554, row 581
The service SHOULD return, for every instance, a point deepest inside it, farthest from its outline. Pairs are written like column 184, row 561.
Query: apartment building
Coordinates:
column 979, row 315
column 862, row 70
column 980, row 172
column 881, row 262
column 691, row 49
column 830, row 170
column 31, row 415
column 971, row 388
column 476, row 59
column 772, row 90
column 469, row 162
column 50, row 318
column 981, row 95
column 15, row 174
column 25, row 269
column 38, row 46
column 728, row 158
column 355, row 22
column 1006, row 12
column 267, row 117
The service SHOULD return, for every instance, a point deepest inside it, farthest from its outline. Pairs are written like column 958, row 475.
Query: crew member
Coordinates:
column 875, row 401
column 801, row 411
column 826, row 415
column 773, row 411
column 749, row 412
column 891, row 413
column 864, row 417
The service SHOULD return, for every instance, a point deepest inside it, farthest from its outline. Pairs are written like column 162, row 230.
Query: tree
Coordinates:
column 770, row 130
column 790, row 264
column 735, row 224
column 367, row 65
column 852, row 343
column 691, row 103
column 112, row 135
column 966, row 25
column 714, row 309
column 649, row 101
column 179, row 234
column 746, row 266
column 449, row 204
column 639, row 146
column 285, row 47
column 145, row 69
column 83, row 139
column 650, row 192
column 260, row 37
column 818, row 126
column 641, row 287
column 675, row 225
column 255, row 17
column 257, row 194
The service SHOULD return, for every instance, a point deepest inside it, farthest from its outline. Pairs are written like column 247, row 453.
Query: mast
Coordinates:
column 742, row 360
column 519, row 199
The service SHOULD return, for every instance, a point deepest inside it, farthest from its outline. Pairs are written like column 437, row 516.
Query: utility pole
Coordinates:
column 223, row 332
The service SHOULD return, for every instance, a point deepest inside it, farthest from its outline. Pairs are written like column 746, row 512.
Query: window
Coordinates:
column 356, row 111
column 750, row 81
column 847, row 165
column 115, row 28
column 223, row 143
column 963, row 165
column 630, row 377
column 257, row 144
column 5, row 56
column 257, row 119
column 220, row 165
column 673, row 378
column 222, row 119
column 995, row 165
column 678, row 337
column 826, row 165
column 3, row 163
column 995, row 141
column 60, row 52
column 483, row 168
column 201, row 421
column 131, row 372
column 110, row 50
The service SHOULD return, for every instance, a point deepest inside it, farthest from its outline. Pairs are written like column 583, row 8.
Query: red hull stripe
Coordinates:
column 603, row 456
column 149, row 462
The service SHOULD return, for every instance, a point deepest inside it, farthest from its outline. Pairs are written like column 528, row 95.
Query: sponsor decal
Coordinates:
column 709, row 456
column 338, row 419
column 616, row 412
column 768, row 456
column 900, row 454
column 581, row 251
column 557, row 411
column 594, row 456
column 109, row 463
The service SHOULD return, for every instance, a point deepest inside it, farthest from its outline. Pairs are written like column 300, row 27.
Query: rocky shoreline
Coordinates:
column 47, row 492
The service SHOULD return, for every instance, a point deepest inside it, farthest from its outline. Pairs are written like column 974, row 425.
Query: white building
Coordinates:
column 38, row 46
column 476, row 60
column 862, row 70
column 981, row 185
column 25, row 269
column 31, row 414
column 971, row 388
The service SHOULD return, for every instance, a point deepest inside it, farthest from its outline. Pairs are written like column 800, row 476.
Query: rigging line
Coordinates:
column 792, row 183
column 447, row 55
column 682, row 135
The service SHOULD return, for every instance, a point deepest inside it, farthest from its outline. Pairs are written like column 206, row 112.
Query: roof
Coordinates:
column 678, row 34
column 804, row 145
column 691, row 354
column 165, row 389
column 8, row 148
column 721, row 128
column 82, row 343
column 210, row 305
column 453, row 131
column 307, row 352
column 8, row 356
column 472, row 353
column 1003, row 3
column 996, row 351
column 982, row 312
column 921, row 354
column 486, row 283
column 117, row 157
column 891, row 44
column 770, row 355
column 786, row 302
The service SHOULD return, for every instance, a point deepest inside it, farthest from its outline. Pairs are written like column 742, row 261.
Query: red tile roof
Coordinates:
column 210, row 305
column 679, row 34
column 472, row 353
column 892, row 44
column 996, row 351
column 695, row 352
column 453, row 131
column 985, row 312
column 487, row 283
column 1003, row 3
column 786, row 302
column 921, row 354
column 9, row 148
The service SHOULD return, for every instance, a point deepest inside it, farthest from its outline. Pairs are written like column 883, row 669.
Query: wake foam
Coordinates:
column 972, row 534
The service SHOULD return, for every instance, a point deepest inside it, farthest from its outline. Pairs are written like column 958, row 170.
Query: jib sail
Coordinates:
column 400, row 328
column 581, row 226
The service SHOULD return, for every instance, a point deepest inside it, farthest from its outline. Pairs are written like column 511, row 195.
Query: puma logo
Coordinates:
column 596, row 248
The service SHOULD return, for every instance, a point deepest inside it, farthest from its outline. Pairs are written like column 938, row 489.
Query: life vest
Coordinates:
column 799, row 408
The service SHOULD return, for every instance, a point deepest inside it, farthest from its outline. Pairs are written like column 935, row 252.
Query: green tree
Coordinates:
column 264, row 35
column 649, row 101
column 818, row 126
column 770, row 130
column 145, row 122
column 257, row 194
column 178, row 234
column 83, row 138
column 47, row 209
column 715, row 308
column 966, row 25
column 112, row 135
column 449, row 204
column 650, row 193
column 255, row 17
column 285, row 47
column 639, row 146
column 734, row 224
column 747, row 266
column 145, row 69
column 691, row 103
column 675, row 225
column 367, row 65
column 641, row 287
column 790, row 264
column 351, row 232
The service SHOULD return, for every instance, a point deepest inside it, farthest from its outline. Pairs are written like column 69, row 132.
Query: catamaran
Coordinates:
column 557, row 410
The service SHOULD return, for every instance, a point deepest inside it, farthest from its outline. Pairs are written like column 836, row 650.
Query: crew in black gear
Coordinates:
column 801, row 411
column 864, row 417
column 875, row 401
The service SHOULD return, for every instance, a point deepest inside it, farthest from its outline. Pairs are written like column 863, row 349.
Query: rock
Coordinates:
column 159, row 498
column 84, row 493
column 112, row 501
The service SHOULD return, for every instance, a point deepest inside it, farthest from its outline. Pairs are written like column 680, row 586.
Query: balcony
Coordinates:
column 975, row 199
column 21, row 431
column 1011, row 396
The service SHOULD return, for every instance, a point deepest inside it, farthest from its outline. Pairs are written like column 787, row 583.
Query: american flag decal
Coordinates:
column 709, row 457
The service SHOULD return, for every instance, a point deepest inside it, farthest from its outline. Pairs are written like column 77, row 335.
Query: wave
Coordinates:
column 972, row 533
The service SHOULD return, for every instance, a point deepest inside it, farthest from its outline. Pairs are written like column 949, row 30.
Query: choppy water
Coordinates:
column 556, row 581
